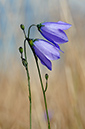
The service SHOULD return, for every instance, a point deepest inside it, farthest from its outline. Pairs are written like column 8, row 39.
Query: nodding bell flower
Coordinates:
column 45, row 51
column 53, row 31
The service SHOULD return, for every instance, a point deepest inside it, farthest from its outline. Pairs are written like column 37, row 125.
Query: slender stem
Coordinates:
column 25, row 50
column 29, row 29
column 24, row 33
column 29, row 94
column 28, row 77
column 46, row 85
column 43, row 93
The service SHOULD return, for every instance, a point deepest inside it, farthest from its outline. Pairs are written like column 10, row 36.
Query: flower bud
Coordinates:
column 24, row 62
column 22, row 27
column 46, row 76
column 21, row 50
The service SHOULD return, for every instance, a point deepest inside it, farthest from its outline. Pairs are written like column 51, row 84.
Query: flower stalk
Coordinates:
column 28, row 77
column 25, row 63
column 43, row 93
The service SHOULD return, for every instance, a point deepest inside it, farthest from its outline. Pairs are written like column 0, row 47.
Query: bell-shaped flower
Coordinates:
column 45, row 51
column 53, row 31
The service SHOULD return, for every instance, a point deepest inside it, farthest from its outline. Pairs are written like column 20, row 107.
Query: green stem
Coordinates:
column 29, row 29
column 43, row 92
column 25, row 50
column 46, row 85
column 29, row 94
column 28, row 77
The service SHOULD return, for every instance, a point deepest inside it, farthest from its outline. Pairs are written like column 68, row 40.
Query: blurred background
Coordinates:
column 66, row 90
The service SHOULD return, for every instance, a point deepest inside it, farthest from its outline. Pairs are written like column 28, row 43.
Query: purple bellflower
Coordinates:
column 45, row 51
column 53, row 31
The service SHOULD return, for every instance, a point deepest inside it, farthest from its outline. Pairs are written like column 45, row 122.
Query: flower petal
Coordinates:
column 49, row 50
column 54, row 36
column 42, row 58
column 57, row 25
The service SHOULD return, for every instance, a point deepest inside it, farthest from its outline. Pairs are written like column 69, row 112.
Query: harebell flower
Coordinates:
column 46, row 50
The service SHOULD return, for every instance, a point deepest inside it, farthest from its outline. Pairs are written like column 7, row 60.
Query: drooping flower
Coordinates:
column 53, row 31
column 45, row 51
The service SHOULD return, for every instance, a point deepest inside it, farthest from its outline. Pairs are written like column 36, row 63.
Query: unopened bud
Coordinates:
column 22, row 27
column 46, row 76
column 21, row 50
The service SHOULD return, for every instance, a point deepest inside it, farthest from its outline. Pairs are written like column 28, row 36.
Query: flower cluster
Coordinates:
column 47, row 50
